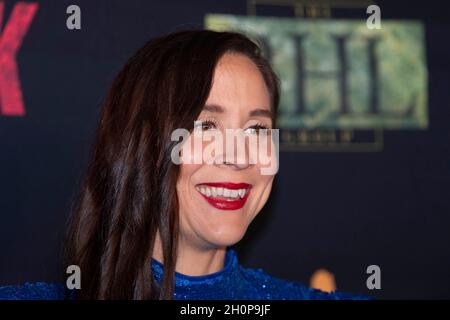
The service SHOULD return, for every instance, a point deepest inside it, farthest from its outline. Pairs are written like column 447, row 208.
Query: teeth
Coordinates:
column 221, row 192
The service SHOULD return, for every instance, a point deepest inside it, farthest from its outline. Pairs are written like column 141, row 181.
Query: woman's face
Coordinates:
column 219, row 200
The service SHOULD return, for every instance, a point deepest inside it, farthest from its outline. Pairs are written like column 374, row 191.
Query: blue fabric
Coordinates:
column 232, row 282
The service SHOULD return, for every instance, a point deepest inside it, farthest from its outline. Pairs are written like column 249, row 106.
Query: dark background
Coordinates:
column 341, row 211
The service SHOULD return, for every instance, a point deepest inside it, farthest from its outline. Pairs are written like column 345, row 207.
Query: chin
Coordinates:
column 226, row 236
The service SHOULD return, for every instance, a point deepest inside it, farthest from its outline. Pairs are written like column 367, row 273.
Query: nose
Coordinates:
column 235, row 165
column 234, row 158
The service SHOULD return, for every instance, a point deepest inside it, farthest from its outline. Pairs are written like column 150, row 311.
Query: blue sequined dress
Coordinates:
column 232, row 282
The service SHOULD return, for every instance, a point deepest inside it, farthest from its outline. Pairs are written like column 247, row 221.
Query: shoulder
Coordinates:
column 33, row 291
column 273, row 288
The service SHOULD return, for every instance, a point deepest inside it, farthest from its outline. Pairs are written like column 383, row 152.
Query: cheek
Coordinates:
column 268, row 186
column 186, row 204
column 198, row 148
column 185, row 185
column 264, row 193
column 263, row 152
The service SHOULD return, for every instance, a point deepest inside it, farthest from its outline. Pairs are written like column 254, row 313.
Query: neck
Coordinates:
column 193, row 260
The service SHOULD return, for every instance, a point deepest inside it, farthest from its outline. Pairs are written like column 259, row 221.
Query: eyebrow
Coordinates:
column 260, row 112
column 213, row 108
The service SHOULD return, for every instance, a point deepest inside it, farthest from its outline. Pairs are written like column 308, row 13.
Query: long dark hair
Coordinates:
column 129, row 191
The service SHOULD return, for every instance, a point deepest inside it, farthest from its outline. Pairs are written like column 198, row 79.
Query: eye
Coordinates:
column 205, row 125
column 255, row 128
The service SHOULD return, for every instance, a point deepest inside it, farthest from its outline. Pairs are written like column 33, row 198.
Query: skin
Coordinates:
column 205, row 232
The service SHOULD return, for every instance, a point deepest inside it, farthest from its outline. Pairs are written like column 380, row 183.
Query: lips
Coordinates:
column 225, row 195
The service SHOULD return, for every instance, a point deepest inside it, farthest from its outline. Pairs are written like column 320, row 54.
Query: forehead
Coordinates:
column 238, row 84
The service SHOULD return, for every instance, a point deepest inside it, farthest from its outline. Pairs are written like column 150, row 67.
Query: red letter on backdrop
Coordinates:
column 11, row 101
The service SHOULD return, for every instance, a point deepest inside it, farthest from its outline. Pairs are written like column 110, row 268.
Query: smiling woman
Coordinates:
column 144, row 227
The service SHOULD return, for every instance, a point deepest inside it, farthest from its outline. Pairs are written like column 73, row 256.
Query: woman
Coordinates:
column 146, row 227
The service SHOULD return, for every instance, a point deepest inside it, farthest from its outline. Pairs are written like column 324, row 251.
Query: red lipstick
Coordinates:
column 223, row 203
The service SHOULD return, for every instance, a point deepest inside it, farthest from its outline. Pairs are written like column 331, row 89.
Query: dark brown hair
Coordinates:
column 129, row 192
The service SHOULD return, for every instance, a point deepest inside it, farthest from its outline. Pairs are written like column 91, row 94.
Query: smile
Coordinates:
column 225, row 195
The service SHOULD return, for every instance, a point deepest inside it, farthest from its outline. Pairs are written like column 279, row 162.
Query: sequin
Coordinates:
column 233, row 282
